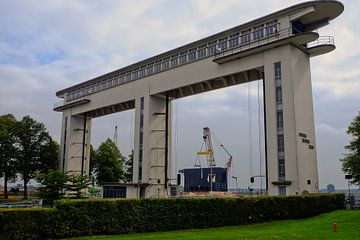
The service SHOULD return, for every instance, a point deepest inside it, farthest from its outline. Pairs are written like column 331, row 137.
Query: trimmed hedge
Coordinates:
column 72, row 218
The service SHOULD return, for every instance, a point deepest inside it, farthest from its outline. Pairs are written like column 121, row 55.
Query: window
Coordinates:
column 311, row 146
column 280, row 140
column 141, row 104
column 150, row 69
column 211, row 48
column 278, row 95
column 271, row 27
column 202, row 51
column 258, row 32
column 234, row 40
column 114, row 192
column 135, row 74
column 116, row 81
column 158, row 66
column 222, row 43
column 98, row 87
column 92, row 89
column 109, row 83
column 121, row 79
column 142, row 71
column 305, row 140
column 282, row 190
column 192, row 54
column 279, row 119
column 86, row 91
column 182, row 58
column 174, row 60
column 103, row 85
column 140, row 172
column 141, row 138
column 281, row 169
column 68, row 97
column 277, row 67
column 166, row 63
column 309, row 182
column 245, row 36
column 128, row 76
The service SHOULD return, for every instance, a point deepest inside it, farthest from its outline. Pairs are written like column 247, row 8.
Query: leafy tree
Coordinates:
column 36, row 151
column 49, row 153
column 77, row 184
column 129, row 165
column 92, row 159
column 7, row 149
column 351, row 161
column 108, row 163
column 53, row 184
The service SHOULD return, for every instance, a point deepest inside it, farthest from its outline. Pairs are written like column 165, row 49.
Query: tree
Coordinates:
column 351, row 161
column 36, row 151
column 108, row 163
column 53, row 185
column 77, row 184
column 7, row 149
column 128, row 164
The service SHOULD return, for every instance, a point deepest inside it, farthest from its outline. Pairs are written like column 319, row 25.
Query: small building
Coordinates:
column 205, row 179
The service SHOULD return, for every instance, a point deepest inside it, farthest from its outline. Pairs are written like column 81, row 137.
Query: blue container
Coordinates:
column 199, row 179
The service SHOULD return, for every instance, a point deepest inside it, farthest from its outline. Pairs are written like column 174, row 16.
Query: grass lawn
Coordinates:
column 320, row 227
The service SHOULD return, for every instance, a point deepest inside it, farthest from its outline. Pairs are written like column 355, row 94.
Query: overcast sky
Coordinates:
column 46, row 46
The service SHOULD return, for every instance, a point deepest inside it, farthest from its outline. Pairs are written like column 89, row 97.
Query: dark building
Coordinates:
column 199, row 179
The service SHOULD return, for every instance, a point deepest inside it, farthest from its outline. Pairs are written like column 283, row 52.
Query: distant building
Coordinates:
column 330, row 188
column 205, row 179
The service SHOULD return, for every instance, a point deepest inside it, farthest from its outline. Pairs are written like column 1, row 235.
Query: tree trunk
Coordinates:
column 5, row 186
column 25, row 188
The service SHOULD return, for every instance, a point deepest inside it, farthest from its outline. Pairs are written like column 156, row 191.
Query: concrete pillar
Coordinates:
column 150, row 146
column 296, row 108
column 73, row 148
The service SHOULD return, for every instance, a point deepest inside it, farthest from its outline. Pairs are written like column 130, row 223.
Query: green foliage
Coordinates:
column 129, row 165
column 93, row 217
column 36, row 151
column 108, row 163
column 27, row 223
column 53, row 185
column 77, row 184
column 7, row 149
column 351, row 162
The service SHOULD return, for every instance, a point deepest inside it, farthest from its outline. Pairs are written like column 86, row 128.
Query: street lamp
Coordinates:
column 236, row 181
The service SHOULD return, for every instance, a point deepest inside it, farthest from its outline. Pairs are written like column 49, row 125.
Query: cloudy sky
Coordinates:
column 46, row 46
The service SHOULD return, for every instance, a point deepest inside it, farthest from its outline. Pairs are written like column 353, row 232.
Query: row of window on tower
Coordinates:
column 205, row 50
column 280, row 126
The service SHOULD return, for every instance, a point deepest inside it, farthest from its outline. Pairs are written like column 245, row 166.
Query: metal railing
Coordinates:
column 59, row 104
column 268, row 38
column 322, row 40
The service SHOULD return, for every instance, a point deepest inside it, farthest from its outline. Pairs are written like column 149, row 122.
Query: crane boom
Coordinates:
column 209, row 147
column 229, row 161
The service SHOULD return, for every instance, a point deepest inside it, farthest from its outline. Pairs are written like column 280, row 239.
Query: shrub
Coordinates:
column 90, row 217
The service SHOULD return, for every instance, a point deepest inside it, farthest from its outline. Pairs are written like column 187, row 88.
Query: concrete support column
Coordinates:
column 75, row 143
column 155, row 165
column 290, row 121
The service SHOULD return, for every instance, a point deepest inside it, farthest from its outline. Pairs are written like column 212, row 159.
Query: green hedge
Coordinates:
column 91, row 217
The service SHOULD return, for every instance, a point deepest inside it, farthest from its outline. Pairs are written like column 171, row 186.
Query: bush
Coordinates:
column 92, row 217
column 29, row 223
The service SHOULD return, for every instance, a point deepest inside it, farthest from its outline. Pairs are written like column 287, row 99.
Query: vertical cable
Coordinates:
column 259, row 132
column 250, row 129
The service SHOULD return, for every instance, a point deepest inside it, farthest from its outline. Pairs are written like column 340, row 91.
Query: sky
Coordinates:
column 46, row 46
